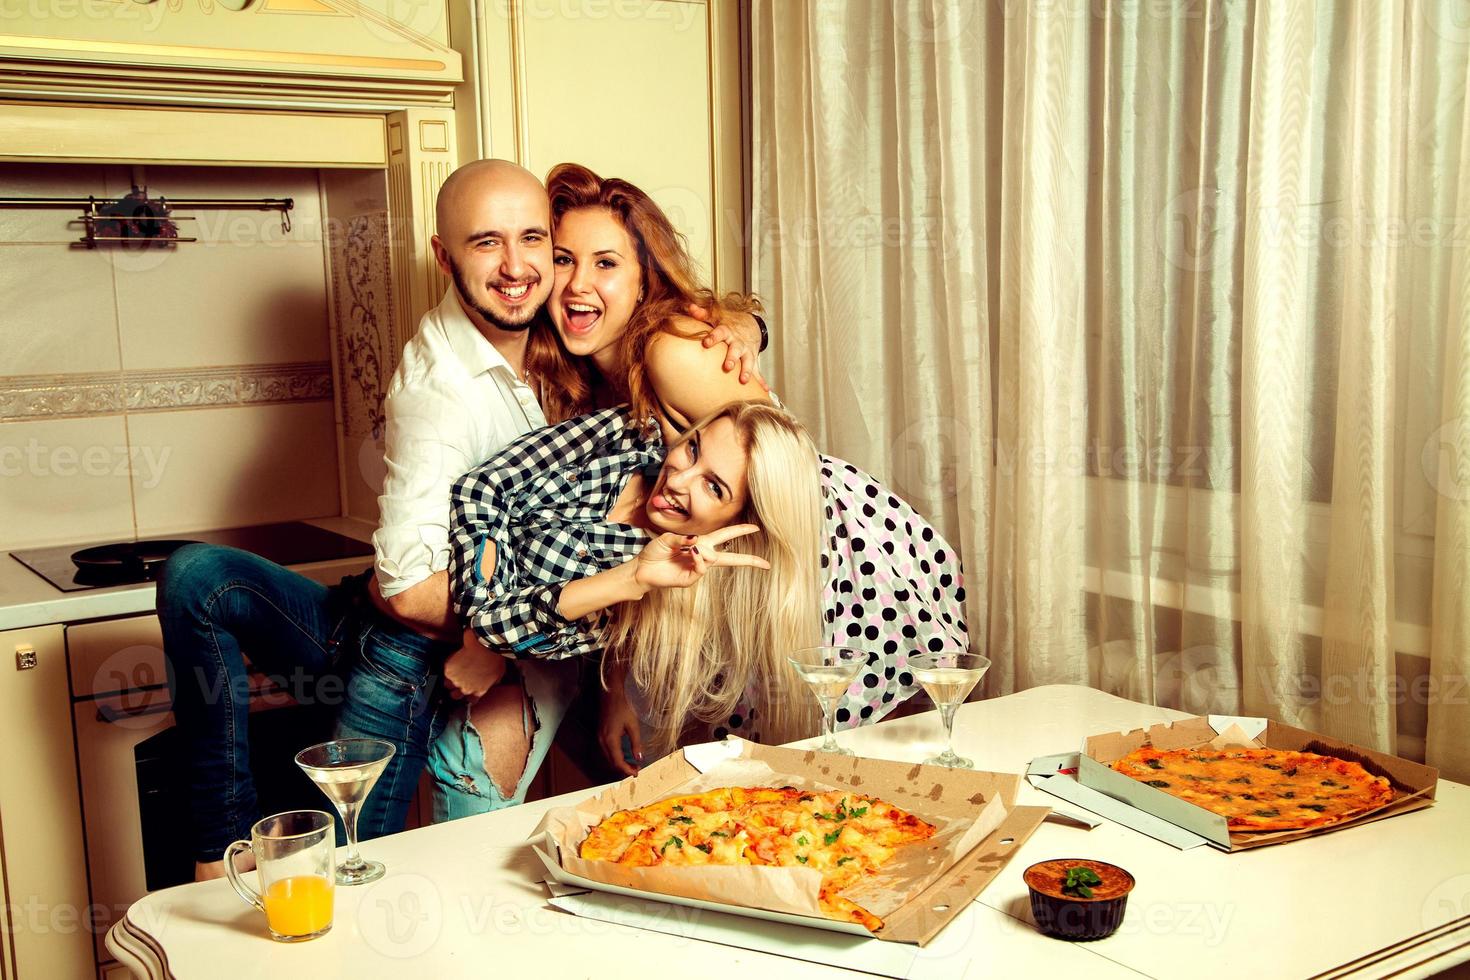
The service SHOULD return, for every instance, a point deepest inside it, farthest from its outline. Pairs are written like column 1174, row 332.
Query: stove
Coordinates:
column 290, row 543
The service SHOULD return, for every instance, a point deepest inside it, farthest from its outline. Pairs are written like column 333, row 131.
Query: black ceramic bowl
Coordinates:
column 1071, row 916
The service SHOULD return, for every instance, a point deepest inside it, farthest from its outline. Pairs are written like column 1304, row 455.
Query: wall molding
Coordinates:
column 53, row 396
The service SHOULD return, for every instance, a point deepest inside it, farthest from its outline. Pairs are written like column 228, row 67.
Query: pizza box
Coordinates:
column 980, row 806
column 1414, row 784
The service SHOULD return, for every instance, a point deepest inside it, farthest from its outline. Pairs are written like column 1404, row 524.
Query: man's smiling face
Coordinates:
column 494, row 240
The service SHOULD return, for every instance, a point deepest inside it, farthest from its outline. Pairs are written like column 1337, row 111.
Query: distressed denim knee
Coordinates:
column 462, row 785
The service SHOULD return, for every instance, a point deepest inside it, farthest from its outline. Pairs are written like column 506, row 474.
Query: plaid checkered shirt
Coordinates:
column 543, row 501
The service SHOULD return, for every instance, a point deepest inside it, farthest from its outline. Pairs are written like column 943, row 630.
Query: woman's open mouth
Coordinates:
column 664, row 505
column 581, row 317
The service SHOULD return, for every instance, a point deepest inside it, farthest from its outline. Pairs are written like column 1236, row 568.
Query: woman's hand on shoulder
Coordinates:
column 739, row 333
column 677, row 561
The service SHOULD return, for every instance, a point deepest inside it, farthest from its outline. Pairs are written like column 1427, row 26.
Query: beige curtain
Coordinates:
column 1161, row 311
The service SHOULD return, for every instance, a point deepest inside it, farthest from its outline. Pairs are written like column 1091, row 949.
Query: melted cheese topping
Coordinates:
column 844, row 836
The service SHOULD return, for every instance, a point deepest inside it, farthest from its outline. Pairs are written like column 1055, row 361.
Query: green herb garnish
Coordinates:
column 674, row 820
column 703, row 847
column 801, row 841
column 830, row 839
column 1153, row 763
column 719, row 833
column 858, row 812
column 801, row 858
column 679, row 844
column 1312, row 806
column 842, row 861
column 677, row 808
column 1080, row 882
column 1159, row 783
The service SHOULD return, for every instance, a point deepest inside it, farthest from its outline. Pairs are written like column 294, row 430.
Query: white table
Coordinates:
column 466, row 898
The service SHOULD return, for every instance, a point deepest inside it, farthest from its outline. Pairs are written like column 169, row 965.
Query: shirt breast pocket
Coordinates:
column 561, row 554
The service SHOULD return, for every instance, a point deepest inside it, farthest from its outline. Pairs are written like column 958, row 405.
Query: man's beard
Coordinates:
column 489, row 315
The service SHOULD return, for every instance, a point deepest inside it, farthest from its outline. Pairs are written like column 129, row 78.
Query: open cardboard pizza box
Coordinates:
column 1413, row 784
column 981, row 828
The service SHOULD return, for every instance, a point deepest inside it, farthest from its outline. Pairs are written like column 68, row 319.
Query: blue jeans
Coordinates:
column 324, row 645
column 462, row 787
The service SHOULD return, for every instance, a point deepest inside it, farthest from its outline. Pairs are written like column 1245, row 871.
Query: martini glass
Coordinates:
column 345, row 769
column 948, row 678
column 828, row 671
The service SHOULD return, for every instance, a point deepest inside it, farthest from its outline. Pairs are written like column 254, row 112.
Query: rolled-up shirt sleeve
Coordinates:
column 425, row 450
column 525, row 622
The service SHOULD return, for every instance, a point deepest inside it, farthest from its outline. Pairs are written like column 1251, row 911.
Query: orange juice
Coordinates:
column 299, row 905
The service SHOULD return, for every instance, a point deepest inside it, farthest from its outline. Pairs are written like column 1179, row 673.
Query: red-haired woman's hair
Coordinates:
column 561, row 381
column 670, row 283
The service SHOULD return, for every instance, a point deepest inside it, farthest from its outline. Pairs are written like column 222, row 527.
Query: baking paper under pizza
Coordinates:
column 845, row 836
column 1261, row 789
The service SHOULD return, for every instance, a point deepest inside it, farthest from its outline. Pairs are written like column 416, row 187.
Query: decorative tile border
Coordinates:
column 49, row 396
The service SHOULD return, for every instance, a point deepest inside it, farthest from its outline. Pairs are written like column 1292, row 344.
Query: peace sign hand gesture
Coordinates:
column 677, row 561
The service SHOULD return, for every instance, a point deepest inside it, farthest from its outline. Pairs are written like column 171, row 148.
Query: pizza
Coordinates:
column 845, row 836
column 1261, row 789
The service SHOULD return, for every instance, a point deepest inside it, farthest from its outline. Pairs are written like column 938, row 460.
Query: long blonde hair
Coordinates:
column 695, row 651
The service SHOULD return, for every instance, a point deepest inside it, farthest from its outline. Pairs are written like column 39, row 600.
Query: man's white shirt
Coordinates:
column 453, row 403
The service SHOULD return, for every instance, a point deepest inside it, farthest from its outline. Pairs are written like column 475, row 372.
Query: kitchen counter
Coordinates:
column 27, row 600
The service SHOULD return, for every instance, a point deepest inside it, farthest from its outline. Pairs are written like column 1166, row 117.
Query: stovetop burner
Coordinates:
column 127, row 561
column 73, row 569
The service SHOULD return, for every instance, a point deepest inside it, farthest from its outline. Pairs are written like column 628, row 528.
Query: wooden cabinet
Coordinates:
column 44, row 864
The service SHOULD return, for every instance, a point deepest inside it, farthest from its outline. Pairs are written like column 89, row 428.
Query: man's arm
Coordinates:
column 423, row 607
column 427, row 447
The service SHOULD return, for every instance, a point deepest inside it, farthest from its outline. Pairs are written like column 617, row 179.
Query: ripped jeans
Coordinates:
column 462, row 786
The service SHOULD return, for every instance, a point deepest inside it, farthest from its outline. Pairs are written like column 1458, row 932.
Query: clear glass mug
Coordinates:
column 294, row 861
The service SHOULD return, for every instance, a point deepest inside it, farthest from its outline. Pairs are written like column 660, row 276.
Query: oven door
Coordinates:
column 135, row 792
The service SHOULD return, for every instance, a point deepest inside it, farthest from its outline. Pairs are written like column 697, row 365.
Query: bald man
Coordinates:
column 460, row 393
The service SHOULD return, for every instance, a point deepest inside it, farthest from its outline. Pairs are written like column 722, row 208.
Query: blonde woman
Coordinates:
column 585, row 533
column 891, row 585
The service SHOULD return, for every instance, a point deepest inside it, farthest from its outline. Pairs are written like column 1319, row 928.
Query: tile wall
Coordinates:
column 162, row 390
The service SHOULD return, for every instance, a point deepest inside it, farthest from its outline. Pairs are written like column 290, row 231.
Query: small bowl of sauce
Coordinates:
column 1073, row 914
